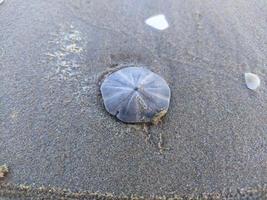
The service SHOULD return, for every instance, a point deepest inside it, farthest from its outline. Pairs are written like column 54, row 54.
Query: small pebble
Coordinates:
column 3, row 170
column 1, row 1
column 252, row 81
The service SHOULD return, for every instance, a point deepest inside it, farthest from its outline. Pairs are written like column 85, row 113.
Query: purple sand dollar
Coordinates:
column 136, row 94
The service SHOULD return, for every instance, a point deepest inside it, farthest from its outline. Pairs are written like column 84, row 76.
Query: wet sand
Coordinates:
column 55, row 132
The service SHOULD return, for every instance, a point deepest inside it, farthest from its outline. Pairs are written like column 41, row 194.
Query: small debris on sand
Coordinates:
column 158, row 117
column 3, row 170
column 161, row 144
column 1, row 1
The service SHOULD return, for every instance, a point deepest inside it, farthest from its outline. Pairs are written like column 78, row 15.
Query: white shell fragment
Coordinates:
column 158, row 22
column 252, row 81
column 1, row 1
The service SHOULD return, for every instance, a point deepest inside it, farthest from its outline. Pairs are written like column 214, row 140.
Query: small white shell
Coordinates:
column 252, row 81
column 158, row 22
column 1, row 1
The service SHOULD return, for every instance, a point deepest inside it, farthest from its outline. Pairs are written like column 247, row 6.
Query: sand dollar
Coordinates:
column 136, row 94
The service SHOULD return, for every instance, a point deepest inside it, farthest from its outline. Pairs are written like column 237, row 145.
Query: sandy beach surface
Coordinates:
column 55, row 132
